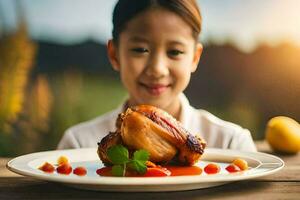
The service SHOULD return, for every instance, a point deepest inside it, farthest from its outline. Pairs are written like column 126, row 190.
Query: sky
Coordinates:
column 246, row 23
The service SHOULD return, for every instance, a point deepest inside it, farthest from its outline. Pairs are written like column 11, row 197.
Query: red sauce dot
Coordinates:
column 80, row 171
column 65, row 168
column 47, row 167
column 232, row 168
column 211, row 168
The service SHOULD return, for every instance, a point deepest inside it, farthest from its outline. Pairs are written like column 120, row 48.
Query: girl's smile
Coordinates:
column 156, row 89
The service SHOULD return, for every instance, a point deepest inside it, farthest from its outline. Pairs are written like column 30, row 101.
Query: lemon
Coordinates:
column 283, row 134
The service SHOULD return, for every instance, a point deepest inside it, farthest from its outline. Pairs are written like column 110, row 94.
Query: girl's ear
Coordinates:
column 197, row 56
column 113, row 55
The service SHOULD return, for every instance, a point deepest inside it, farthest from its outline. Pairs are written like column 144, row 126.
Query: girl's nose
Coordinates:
column 157, row 66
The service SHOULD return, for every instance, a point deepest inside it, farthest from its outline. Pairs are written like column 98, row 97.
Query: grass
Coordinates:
column 79, row 99
column 76, row 97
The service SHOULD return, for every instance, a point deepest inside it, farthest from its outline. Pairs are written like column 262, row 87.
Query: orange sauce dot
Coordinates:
column 241, row 163
column 184, row 171
column 62, row 160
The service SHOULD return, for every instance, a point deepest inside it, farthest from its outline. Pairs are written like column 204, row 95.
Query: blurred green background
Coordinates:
column 52, row 78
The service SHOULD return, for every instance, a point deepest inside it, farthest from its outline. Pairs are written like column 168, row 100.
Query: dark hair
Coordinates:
column 125, row 10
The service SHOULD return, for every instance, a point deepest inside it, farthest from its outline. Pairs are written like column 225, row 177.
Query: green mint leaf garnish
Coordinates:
column 118, row 155
column 118, row 170
column 141, row 155
column 138, row 166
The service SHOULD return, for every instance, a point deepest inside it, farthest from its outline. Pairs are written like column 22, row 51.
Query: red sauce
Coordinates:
column 158, row 171
column 65, row 168
column 80, row 171
column 104, row 171
column 47, row 167
column 184, row 171
column 232, row 168
column 212, row 168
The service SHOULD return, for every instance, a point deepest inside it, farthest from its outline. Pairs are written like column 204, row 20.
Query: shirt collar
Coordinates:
column 185, row 110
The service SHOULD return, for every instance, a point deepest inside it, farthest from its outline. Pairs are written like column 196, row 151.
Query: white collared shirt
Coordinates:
column 217, row 133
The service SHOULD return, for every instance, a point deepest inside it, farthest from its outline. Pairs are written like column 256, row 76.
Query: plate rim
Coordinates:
column 142, row 181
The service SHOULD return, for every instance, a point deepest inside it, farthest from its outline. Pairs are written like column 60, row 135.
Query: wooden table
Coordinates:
column 283, row 185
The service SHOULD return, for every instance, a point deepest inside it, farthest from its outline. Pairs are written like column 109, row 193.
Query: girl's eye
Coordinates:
column 175, row 52
column 140, row 50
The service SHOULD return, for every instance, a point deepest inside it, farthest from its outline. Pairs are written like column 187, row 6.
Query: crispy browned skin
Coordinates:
column 113, row 138
column 147, row 127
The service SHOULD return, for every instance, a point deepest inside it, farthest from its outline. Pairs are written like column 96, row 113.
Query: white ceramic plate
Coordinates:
column 261, row 164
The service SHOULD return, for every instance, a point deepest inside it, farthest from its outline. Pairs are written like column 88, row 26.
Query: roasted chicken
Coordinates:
column 150, row 128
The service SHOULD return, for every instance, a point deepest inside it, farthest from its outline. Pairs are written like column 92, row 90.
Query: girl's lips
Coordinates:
column 156, row 89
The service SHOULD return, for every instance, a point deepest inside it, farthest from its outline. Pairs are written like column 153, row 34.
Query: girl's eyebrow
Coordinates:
column 177, row 42
column 138, row 39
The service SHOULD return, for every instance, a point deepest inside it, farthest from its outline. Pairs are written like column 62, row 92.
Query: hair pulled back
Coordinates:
column 125, row 10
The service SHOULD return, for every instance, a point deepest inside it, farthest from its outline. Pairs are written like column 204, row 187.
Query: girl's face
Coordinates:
column 156, row 55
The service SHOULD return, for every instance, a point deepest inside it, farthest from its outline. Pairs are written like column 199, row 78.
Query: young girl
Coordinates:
column 155, row 49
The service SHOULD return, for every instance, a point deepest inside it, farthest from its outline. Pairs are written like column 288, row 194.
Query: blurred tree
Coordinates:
column 34, row 120
column 39, row 103
column 17, row 54
column 16, row 60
